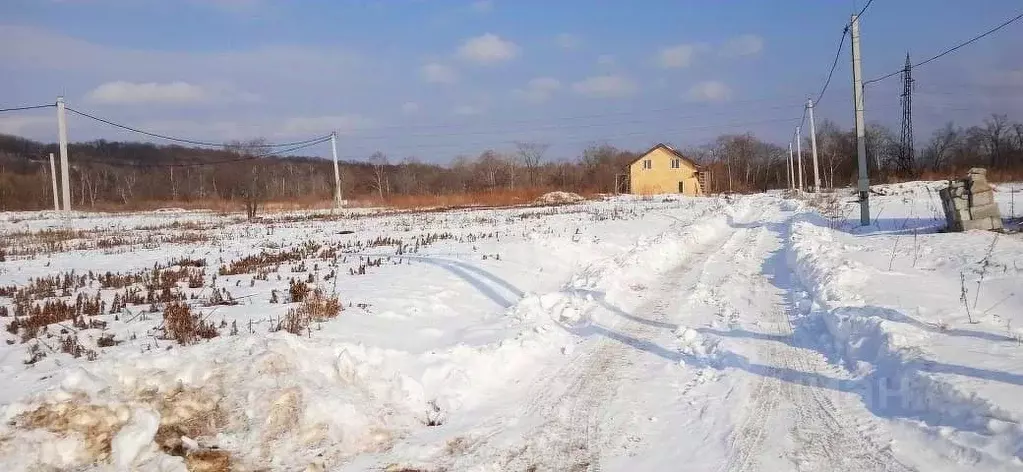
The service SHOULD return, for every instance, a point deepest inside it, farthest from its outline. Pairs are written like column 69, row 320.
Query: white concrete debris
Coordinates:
column 970, row 203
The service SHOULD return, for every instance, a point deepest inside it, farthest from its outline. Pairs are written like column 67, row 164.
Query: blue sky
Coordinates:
column 435, row 78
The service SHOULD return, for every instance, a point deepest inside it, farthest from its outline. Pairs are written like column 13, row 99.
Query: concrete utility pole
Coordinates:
column 792, row 169
column 813, row 145
column 337, row 172
column 65, row 172
column 861, row 142
column 799, row 155
column 53, row 179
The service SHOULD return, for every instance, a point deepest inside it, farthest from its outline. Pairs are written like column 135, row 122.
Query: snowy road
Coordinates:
column 784, row 402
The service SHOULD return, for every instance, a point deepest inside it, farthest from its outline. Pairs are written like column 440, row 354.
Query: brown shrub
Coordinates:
column 184, row 327
column 298, row 291
column 316, row 308
column 70, row 345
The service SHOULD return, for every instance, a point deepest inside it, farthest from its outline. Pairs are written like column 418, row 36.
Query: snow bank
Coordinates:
column 281, row 401
column 881, row 346
column 555, row 198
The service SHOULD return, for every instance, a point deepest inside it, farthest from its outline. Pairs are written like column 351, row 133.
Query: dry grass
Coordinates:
column 317, row 307
column 993, row 175
column 217, row 205
column 184, row 327
column 496, row 198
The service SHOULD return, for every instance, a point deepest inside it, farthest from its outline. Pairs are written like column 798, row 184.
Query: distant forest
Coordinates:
column 128, row 175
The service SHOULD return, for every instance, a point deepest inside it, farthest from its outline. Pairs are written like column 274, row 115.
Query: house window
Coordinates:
column 676, row 163
column 648, row 164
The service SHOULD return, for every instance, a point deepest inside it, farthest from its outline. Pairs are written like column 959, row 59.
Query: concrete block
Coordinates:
column 986, row 224
column 983, row 198
column 975, row 171
column 980, row 186
column 985, row 211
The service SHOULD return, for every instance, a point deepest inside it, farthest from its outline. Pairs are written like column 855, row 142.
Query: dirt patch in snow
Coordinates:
column 96, row 424
column 186, row 415
column 559, row 198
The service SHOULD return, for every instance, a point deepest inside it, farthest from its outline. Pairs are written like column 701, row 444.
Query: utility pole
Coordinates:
column 788, row 166
column 53, row 179
column 906, row 151
column 863, row 184
column 65, row 172
column 337, row 172
column 792, row 169
column 813, row 146
column 799, row 155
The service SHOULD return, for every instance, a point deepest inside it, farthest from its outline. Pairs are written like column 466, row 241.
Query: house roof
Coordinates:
column 671, row 150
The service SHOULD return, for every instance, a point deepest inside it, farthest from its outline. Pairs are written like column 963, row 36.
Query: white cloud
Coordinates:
column 26, row 124
column 605, row 86
column 122, row 92
column 744, row 45
column 568, row 41
column 483, row 6
column 539, row 89
column 676, row 57
column 439, row 73
column 710, row 91
column 273, row 67
column 467, row 110
column 410, row 108
column 606, row 60
column 488, row 49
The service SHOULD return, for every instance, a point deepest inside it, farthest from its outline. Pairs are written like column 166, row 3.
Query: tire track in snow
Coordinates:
column 571, row 440
column 824, row 426
column 823, row 439
column 745, row 444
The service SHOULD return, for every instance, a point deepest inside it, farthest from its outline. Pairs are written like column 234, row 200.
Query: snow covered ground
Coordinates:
column 760, row 332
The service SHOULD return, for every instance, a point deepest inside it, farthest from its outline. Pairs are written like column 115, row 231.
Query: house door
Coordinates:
column 681, row 187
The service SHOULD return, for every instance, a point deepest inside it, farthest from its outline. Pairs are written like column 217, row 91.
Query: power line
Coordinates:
column 189, row 141
column 646, row 111
column 865, row 7
column 31, row 107
column 276, row 153
column 838, row 53
column 576, row 139
column 834, row 64
column 562, row 126
column 951, row 49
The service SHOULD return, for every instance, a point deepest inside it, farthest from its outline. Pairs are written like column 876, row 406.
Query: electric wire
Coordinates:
column 276, row 153
column 188, row 141
column 30, row 107
column 949, row 50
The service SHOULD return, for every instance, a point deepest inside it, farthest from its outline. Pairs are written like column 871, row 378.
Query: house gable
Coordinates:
column 664, row 170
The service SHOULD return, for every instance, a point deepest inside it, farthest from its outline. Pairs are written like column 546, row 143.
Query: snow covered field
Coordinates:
column 752, row 333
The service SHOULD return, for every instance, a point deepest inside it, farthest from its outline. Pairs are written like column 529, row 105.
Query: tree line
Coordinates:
column 107, row 174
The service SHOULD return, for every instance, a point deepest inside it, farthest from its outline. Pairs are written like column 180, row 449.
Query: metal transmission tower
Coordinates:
column 905, row 164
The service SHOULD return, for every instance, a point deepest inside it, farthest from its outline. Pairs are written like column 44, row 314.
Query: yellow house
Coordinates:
column 662, row 169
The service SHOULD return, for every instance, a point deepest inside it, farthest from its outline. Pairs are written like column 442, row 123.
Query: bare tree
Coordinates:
column 532, row 156
column 252, row 188
column 943, row 142
column 380, row 163
column 995, row 134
